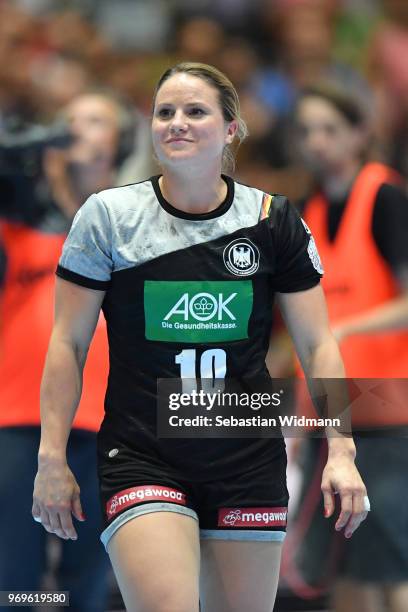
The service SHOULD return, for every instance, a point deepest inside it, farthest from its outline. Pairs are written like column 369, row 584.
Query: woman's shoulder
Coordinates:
column 122, row 194
column 124, row 200
column 269, row 203
column 258, row 191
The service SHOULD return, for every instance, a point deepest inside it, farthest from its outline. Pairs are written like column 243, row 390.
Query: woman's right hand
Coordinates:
column 56, row 498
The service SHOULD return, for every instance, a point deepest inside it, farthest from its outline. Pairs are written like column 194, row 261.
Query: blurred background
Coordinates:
column 52, row 52
column 76, row 84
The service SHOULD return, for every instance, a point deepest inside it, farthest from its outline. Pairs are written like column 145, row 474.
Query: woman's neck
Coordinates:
column 195, row 193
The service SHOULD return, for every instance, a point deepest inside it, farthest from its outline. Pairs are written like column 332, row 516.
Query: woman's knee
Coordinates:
column 239, row 576
column 172, row 602
column 161, row 590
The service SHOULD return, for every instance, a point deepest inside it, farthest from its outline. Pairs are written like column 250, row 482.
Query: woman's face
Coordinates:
column 326, row 139
column 188, row 127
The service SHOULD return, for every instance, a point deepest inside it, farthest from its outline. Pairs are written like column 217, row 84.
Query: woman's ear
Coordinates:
column 231, row 131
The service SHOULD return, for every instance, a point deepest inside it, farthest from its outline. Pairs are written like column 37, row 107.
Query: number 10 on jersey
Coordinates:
column 213, row 367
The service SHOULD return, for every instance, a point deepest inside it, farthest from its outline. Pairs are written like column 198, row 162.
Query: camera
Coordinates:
column 15, row 146
column 21, row 172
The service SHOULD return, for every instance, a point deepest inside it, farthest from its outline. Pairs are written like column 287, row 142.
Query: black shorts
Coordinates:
column 248, row 504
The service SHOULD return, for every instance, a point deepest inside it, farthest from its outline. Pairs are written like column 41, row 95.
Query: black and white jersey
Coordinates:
column 187, row 295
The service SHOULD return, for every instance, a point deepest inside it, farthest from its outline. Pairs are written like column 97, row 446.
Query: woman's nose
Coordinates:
column 178, row 123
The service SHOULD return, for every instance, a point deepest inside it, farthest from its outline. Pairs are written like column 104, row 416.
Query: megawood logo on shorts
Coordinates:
column 197, row 311
column 253, row 517
column 145, row 493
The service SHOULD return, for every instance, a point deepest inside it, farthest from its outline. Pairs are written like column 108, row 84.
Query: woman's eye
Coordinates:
column 196, row 112
column 164, row 113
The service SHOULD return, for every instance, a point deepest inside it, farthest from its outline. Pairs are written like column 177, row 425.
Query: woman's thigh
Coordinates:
column 239, row 576
column 156, row 560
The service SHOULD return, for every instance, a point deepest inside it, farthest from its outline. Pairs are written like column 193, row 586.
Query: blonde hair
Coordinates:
column 228, row 99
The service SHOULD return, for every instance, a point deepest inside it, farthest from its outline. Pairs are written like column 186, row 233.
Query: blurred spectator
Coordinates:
column 33, row 226
column 17, row 41
column 69, row 33
column 263, row 159
column 104, row 135
column 388, row 71
column 355, row 21
column 57, row 80
column 135, row 25
column 303, row 34
column 239, row 61
column 358, row 215
column 235, row 15
column 199, row 39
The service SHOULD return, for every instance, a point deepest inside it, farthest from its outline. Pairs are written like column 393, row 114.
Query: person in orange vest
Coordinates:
column 358, row 214
column 32, row 231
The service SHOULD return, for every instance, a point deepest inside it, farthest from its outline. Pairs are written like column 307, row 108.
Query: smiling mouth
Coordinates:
column 178, row 140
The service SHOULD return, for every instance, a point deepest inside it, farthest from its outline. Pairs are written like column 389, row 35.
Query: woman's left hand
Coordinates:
column 341, row 476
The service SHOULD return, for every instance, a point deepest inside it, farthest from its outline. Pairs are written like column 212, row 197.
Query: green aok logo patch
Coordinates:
column 197, row 311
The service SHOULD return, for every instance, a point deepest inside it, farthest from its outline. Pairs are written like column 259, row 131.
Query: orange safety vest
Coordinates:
column 356, row 280
column 27, row 313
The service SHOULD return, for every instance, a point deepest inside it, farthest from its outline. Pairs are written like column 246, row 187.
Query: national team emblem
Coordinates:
column 241, row 257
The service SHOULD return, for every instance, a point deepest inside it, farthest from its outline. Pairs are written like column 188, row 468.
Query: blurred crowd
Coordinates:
column 269, row 48
column 76, row 84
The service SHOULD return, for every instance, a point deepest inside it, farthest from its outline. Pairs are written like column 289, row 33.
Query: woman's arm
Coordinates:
column 56, row 493
column 306, row 317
